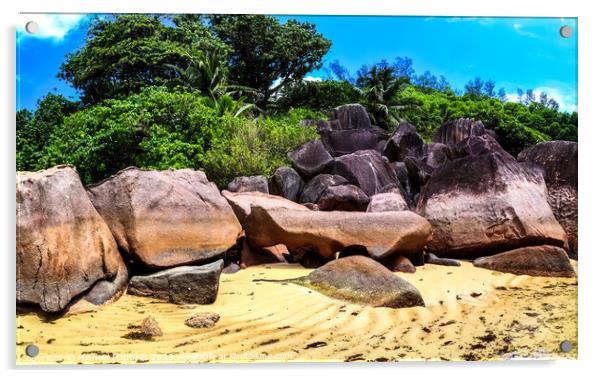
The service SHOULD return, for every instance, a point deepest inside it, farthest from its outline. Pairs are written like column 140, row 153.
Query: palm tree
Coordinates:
column 205, row 73
column 208, row 75
column 226, row 104
column 381, row 88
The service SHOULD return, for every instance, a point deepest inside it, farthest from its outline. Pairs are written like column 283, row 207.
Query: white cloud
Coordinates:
column 51, row 26
column 312, row 78
column 521, row 30
column 566, row 102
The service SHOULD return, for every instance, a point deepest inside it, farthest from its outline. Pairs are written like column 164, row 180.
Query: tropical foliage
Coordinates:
column 226, row 94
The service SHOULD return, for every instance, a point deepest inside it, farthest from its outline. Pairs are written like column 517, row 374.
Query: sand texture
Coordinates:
column 470, row 314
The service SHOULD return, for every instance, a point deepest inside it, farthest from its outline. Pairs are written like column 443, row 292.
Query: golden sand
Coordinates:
column 470, row 314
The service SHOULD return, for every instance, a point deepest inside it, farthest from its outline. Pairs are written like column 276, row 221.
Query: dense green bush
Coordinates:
column 255, row 147
column 35, row 130
column 160, row 129
column 318, row 95
column 517, row 125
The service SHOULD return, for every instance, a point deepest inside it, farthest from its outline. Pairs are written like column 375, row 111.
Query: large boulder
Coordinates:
column 343, row 142
column 350, row 117
column 361, row 280
column 317, row 186
column 387, row 202
column 241, row 203
column 381, row 234
column 64, row 248
column 544, row 260
column 343, row 198
column 249, row 184
column 559, row 162
column 437, row 154
column 480, row 205
column 367, row 170
column 404, row 141
column 287, row 183
column 418, row 174
column 403, row 176
column 166, row 218
column 310, row 159
column 452, row 132
column 477, row 145
column 181, row 285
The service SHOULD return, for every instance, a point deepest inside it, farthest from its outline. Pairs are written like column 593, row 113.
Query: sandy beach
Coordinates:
column 470, row 314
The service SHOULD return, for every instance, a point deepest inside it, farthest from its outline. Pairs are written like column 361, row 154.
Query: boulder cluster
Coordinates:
column 358, row 190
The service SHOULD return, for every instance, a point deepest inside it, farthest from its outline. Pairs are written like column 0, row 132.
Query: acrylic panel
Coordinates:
column 288, row 188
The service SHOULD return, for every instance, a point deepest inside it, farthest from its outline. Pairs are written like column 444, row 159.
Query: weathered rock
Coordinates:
column 401, row 171
column 241, row 203
column 181, row 285
column 437, row 154
column 231, row 268
column 545, row 260
column 361, row 280
column 311, row 206
column 166, row 218
column 381, row 134
column 105, row 291
column 147, row 330
column 316, row 187
column 387, row 202
column 310, row 159
column 323, row 127
column 404, row 142
column 419, row 174
column 398, row 263
column 492, row 134
column 452, row 132
column 350, row 117
column 187, row 287
column 479, row 205
column 343, row 142
column 365, row 169
column 257, row 256
column 343, row 198
column 203, row 320
column 64, row 248
column 478, row 145
column 287, row 183
column 382, row 234
column 559, row 162
column 150, row 327
column 249, row 184
column 431, row 258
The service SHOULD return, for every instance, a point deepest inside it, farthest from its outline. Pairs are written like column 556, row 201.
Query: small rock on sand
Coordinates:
column 203, row 320
column 150, row 327
column 361, row 280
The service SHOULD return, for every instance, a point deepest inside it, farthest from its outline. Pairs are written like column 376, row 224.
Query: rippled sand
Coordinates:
column 470, row 314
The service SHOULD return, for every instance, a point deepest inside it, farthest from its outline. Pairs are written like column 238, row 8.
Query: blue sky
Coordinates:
column 514, row 52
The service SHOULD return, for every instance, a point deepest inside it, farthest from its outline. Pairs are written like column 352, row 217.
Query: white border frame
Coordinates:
column 589, row 95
